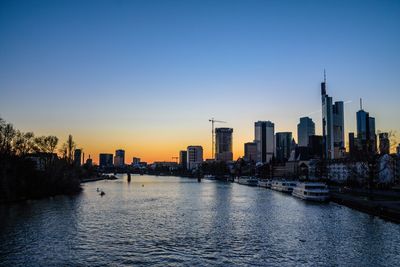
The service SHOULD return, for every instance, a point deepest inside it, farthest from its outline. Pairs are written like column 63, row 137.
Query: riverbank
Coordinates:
column 388, row 209
column 94, row 179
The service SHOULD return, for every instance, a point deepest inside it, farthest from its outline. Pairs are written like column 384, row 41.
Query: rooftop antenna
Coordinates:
column 360, row 103
column 324, row 76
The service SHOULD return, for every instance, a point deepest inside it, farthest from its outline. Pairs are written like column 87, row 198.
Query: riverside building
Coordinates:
column 264, row 137
column 223, row 144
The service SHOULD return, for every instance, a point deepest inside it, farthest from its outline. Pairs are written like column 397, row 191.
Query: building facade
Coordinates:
column 183, row 159
column 366, row 136
column 223, row 144
column 105, row 160
column 283, row 146
column 250, row 151
column 194, row 157
column 332, row 126
column 119, row 159
column 78, row 157
column 305, row 128
column 264, row 133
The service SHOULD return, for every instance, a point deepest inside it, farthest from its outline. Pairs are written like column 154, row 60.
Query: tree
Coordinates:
column 24, row 143
column 46, row 144
column 67, row 149
column 7, row 134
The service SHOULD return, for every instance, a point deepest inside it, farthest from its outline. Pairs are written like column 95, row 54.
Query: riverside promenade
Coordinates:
column 384, row 204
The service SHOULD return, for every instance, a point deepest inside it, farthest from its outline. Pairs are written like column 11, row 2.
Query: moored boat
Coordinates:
column 283, row 186
column 248, row 180
column 313, row 191
column 263, row 183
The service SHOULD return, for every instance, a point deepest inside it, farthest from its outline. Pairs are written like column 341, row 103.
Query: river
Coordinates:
column 173, row 221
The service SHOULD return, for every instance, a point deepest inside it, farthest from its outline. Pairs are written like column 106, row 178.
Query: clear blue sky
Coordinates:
column 147, row 75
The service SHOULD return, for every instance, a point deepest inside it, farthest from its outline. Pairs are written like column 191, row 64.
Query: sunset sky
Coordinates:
column 146, row 76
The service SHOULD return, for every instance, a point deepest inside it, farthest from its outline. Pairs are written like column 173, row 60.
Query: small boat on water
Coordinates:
column 209, row 177
column 313, row 191
column 102, row 193
column 247, row 180
column 283, row 186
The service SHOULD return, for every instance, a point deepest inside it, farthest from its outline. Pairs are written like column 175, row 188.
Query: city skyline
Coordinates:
column 149, row 83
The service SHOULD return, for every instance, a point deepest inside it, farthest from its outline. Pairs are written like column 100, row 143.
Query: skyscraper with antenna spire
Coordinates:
column 332, row 125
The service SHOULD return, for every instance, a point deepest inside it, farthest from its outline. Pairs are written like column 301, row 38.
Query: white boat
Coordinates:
column 313, row 191
column 263, row 183
column 248, row 180
column 209, row 177
column 283, row 186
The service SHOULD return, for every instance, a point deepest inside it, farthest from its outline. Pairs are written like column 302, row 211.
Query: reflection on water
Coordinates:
column 161, row 221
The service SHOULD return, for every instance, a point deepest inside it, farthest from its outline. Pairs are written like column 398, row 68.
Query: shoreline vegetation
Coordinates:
column 31, row 169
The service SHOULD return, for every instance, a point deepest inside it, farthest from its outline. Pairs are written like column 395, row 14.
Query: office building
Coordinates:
column 105, row 160
column 135, row 161
column 223, row 144
column 305, row 128
column 316, row 146
column 78, row 157
column 366, row 137
column 183, row 159
column 119, row 159
column 194, row 157
column 264, row 132
column 250, row 151
column 384, row 143
column 283, row 146
column 332, row 126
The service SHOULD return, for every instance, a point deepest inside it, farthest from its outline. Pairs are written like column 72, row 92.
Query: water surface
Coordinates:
column 171, row 221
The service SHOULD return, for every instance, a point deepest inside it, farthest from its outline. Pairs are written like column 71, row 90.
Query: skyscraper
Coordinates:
column 366, row 137
column 119, row 159
column 250, row 151
column 283, row 146
column 265, row 140
column 78, row 157
column 194, row 156
column 332, row 125
column 106, row 160
column 223, row 144
column 305, row 128
column 183, row 159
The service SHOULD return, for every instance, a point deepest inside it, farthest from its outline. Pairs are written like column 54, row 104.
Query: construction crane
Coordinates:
column 212, row 120
column 175, row 158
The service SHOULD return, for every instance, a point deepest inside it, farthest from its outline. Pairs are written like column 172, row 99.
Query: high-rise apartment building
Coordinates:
column 223, row 144
column 194, row 157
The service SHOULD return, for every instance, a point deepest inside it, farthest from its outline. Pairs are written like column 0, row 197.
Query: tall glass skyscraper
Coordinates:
column 366, row 136
column 332, row 126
